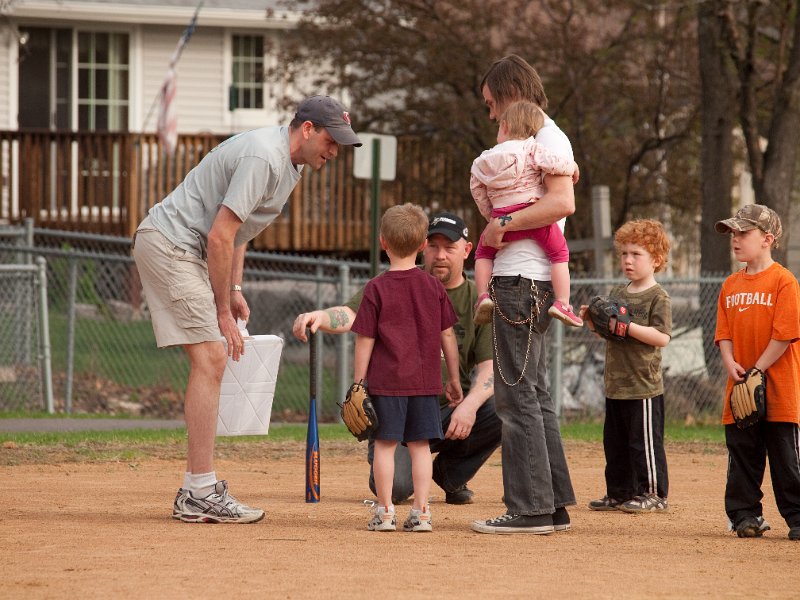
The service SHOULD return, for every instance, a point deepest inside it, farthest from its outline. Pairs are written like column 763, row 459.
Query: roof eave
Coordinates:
column 153, row 15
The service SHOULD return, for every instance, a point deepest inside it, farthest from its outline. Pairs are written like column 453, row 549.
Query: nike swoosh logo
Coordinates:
column 743, row 309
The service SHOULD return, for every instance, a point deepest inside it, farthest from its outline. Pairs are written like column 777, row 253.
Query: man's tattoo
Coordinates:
column 489, row 382
column 338, row 317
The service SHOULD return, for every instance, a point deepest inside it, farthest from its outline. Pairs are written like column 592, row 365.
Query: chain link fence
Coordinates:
column 105, row 358
column 25, row 368
column 104, row 354
column 694, row 379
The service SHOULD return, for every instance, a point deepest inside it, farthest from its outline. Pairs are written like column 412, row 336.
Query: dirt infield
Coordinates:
column 103, row 530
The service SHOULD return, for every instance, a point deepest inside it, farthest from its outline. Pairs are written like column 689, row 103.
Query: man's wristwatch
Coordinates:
column 236, row 287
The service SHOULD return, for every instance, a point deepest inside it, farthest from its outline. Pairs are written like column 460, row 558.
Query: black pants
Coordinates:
column 633, row 440
column 747, row 455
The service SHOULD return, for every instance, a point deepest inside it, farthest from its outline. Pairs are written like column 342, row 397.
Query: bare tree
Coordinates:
column 621, row 77
column 763, row 42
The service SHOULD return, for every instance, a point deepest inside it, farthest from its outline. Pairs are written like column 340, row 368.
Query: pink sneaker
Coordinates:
column 484, row 308
column 563, row 313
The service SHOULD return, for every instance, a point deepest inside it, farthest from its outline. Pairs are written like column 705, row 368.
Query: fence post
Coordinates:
column 601, row 221
column 27, row 257
column 343, row 341
column 71, row 300
column 47, row 372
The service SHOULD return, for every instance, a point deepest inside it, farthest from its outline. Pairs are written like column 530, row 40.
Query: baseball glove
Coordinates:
column 609, row 318
column 749, row 399
column 358, row 413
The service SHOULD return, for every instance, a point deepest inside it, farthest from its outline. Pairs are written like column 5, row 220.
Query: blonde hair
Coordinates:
column 522, row 119
column 647, row 233
column 404, row 228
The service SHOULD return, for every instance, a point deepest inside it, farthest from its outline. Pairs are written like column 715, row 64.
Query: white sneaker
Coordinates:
column 218, row 507
column 178, row 506
column 383, row 519
column 418, row 520
column 644, row 504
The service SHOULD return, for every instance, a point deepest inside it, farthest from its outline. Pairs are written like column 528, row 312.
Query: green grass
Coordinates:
column 278, row 432
column 673, row 432
column 296, row 432
column 23, row 414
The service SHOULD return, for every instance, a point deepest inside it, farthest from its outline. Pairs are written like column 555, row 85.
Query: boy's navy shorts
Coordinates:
column 408, row 418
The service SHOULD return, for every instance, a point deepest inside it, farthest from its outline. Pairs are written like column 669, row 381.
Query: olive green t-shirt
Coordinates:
column 633, row 368
column 474, row 341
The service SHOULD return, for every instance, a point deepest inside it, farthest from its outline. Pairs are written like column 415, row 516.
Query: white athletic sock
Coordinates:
column 202, row 484
column 187, row 480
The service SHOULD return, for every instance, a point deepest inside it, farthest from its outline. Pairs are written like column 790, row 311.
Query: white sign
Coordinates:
column 362, row 163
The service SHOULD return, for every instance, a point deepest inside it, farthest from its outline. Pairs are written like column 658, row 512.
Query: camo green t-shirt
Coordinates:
column 474, row 341
column 633, row 368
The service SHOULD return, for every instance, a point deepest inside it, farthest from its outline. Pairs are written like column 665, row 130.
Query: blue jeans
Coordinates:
column 456, row 461
column 535, row 474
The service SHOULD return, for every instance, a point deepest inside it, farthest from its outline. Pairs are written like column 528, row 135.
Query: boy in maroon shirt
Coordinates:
column 403, row 323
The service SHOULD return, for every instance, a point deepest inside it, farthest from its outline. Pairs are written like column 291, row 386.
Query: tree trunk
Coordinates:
column 716, row 161
column 780, row 158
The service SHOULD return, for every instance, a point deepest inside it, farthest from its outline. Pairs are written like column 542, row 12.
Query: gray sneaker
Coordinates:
column 218, row 507
column 605, row 503
column 383, row 519
column 644, row 504
column 418, row 520
column 180, row 500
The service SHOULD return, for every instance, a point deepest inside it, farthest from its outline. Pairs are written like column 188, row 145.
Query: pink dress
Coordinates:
column 510, row 177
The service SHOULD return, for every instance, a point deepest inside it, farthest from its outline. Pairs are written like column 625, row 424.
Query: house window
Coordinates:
column 44, row 78
column 102, row 81
column 247, row 88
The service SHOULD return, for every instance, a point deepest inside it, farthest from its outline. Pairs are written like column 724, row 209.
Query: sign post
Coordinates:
column 375, row 209
column 375, row 160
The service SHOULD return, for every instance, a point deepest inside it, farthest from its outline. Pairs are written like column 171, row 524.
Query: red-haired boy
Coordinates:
column 633, row 433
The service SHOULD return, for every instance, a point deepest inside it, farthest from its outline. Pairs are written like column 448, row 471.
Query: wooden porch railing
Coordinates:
column 105, row 183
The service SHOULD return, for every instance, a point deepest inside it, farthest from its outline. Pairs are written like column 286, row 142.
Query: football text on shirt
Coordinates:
column 748, row 299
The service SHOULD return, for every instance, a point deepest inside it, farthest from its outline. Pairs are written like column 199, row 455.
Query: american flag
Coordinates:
column 167, row 119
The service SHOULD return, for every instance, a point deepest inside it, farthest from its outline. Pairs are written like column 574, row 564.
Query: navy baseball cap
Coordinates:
column 324, row 111
column 449, row 225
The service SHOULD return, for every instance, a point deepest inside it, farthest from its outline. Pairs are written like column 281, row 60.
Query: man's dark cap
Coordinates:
column 449, row 225
column 329, row 113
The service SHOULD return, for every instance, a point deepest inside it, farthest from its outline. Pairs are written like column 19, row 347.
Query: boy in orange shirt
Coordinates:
column 758, row 325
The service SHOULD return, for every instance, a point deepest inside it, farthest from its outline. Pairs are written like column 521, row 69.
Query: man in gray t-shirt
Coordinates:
column 189, row 251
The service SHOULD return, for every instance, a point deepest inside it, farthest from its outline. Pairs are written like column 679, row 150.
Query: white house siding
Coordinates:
column 199, row 98
column 7, row 120
column 203, row 77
